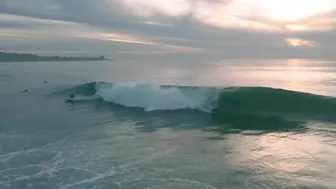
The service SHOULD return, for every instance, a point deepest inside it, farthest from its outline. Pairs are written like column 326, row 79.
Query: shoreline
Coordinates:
column 19, row 57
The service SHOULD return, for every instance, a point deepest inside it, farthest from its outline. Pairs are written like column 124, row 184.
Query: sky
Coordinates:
column 207, row 28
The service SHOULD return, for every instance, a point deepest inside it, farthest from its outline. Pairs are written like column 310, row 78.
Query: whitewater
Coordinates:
column 153, row 97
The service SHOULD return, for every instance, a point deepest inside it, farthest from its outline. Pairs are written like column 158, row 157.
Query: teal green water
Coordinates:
column 151, row 125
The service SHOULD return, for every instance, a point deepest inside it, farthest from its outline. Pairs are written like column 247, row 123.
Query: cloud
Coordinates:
column 225, row 28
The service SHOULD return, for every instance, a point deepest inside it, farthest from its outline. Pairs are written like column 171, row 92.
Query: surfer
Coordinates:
column 70, row 99
column 71, row 96
column 213, row 112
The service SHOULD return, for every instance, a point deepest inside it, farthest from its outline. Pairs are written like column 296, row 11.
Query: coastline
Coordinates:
column 19, row 57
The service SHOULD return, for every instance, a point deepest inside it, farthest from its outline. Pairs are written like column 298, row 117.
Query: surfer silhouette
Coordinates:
column 213, row 112
column 71, row 96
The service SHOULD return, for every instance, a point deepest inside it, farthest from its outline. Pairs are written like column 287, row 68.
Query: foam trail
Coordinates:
column 153, row 97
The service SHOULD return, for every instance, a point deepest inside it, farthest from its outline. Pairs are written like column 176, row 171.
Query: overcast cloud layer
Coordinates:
column 219, row 28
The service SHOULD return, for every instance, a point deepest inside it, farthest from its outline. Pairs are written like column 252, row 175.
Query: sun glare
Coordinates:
column 295, row 27
column 295, row 42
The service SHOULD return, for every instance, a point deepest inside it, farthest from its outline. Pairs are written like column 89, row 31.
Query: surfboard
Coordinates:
column 68, row 100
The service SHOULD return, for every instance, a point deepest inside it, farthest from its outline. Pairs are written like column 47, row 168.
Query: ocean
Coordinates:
column 154, row 124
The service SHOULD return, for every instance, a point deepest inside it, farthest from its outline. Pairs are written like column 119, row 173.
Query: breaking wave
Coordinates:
column 225, row 101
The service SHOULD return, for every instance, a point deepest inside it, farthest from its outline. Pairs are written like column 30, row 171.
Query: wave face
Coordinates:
column 269, row 105
column 228, row 103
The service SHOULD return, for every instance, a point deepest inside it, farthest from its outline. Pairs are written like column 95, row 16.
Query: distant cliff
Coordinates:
column 18, row 57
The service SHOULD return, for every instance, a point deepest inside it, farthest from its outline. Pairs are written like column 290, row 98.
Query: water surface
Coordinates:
column 146, row 124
